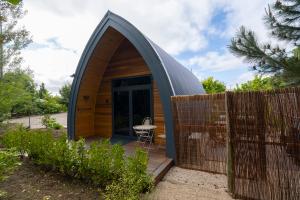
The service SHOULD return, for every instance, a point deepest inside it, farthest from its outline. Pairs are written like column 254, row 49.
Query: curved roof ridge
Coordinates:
column 182, row 81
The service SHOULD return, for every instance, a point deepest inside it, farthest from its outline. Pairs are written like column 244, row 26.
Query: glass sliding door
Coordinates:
column 141, row 108
column 132, row 102
column 121, row 112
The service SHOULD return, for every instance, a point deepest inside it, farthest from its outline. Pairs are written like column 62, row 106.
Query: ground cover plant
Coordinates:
column 50, row 122
column 8, row 162
column 102, row 164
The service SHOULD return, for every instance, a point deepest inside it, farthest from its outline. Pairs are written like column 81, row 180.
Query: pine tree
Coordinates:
column 283, row 20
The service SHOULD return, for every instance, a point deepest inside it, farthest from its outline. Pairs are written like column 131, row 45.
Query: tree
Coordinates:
column 211, row 85
column 14, row 2
column 65, row 92
column 43, row 92
column 258, row 83
column 12, row 38
column 17, row 90
column 283, row 20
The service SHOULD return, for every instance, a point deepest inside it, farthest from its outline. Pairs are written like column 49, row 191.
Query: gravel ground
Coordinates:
column 36, row 121
column 187, row 184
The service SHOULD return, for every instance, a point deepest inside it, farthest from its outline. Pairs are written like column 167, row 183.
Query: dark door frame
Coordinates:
column 130, row 89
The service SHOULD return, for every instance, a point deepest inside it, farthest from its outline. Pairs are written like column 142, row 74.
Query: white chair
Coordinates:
column 147, row 121
column 145, row 136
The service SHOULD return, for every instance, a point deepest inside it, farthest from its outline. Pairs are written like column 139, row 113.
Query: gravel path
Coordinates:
column 36, row 121
column 181, row 184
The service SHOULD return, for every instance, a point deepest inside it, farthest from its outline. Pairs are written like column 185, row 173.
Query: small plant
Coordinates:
column 16, row 138
column 9, row 161
column 50, row 122
column 133, row 180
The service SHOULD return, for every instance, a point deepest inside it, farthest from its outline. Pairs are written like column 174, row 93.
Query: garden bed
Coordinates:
column 31, row 182
column 102, row 165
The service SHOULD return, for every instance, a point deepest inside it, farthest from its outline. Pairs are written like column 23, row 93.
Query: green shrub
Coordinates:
column 102, row 164
column 133, row 180
column 9, row 160
column 16, row 138
column 50, row 122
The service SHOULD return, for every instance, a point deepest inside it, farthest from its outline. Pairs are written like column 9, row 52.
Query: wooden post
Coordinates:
column 230, row 150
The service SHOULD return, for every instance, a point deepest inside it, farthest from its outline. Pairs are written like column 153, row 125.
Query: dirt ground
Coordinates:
column 29, row 182
column 181, row 184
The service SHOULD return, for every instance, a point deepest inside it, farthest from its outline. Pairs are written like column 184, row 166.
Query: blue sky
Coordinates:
column 196, row 33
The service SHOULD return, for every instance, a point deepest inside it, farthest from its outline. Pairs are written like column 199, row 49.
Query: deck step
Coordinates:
column 162, row 170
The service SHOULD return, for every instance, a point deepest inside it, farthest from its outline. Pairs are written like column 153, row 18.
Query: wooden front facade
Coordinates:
column 95, row 103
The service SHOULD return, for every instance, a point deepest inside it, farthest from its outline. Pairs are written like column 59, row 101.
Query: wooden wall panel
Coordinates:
column 126, row 62
column 85, row 106
column 159, row 119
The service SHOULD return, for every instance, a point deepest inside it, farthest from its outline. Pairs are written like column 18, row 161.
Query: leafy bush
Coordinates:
column 50, row 122
column 50, row 105
column 102, row 164
column 133, row 180
column 16, row 138
column 9, row 160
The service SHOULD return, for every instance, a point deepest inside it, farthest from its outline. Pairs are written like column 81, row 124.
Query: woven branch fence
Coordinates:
column 200, row 132
column 263, row 129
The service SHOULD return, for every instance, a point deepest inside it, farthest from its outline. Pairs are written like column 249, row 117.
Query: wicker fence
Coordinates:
column 200, row 132
column 263, row 131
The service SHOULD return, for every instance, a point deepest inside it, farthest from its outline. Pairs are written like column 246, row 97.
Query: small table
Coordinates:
column 144, row 127
column 148, row 135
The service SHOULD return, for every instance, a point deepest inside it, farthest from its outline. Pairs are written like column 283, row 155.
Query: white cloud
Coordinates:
column 215, row 61
column 177, row 26
column 51, row 66
column 247, row 76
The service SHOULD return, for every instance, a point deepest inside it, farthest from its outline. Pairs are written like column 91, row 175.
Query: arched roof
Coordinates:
column 171, row 77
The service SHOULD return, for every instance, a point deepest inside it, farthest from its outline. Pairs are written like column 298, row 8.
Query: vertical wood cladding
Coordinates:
column 126, row 62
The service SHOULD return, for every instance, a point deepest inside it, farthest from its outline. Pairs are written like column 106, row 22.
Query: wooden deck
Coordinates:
column 158, row 164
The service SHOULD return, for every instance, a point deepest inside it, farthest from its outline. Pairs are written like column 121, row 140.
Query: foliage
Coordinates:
column 16, row 90
column 43, row 92
column 50, row 122
column 12, row 37
column 258, row 83
column 211, row 85
column 14, row 2
column 19, row 96
column 102, row 164
column 49, row 105
column 16, row 138
column 9, row 160
column 282, row 19
column 132, row 181
column 65, row 92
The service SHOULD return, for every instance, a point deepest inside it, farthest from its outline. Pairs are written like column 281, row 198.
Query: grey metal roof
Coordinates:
column 183, row 81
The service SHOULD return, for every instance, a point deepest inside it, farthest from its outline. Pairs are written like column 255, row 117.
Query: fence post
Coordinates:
column 230, row 151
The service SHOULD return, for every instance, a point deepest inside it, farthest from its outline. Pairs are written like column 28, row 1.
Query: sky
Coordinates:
column 195, row 32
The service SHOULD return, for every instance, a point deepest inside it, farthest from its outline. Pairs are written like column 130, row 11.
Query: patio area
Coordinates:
column 158, row 164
